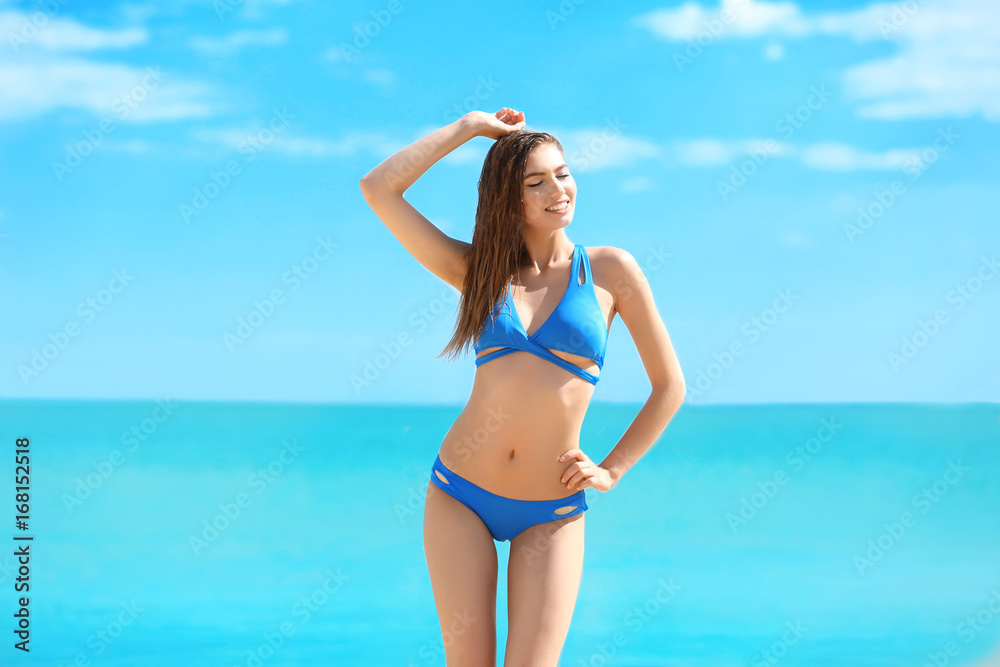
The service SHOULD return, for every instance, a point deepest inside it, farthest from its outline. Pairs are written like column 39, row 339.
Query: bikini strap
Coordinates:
column 574, row 274
column 586, row 267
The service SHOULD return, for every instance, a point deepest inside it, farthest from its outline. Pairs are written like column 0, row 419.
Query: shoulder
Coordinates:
column 618, row 272
column 613, row 266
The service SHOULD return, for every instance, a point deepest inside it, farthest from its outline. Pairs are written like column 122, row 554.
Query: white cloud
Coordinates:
column 38, row 30
column 636, row 184
column 109, row 90
column 140, row 13
column 254, row 9
column 373, row 143
column 750, row 18
column 841, row 157
column 959, row 79
column 592, row 149
column 43, row 75
column 234, row 42
column 829, row 156
column 705, row 152
column 379, row 77
column 795, row 239
column 947, row 61
column 714, row 152
column 465, row 154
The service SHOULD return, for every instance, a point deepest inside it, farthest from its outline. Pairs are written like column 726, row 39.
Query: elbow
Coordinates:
column 672, row 391
column 366, row 185
column 373, row 186
column 677, row 392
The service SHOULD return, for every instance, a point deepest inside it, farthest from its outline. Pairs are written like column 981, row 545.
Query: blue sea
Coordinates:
column 253, row 534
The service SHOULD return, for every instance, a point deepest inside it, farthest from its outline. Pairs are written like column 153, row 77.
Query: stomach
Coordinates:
column 523, row 413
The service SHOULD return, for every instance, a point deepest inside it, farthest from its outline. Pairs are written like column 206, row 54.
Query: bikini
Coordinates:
column 576, row 326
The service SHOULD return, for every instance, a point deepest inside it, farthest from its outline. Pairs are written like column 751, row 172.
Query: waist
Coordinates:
column 508, row 439
column 529, row 471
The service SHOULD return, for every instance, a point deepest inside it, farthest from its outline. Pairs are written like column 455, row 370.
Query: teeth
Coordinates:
column 561, row 207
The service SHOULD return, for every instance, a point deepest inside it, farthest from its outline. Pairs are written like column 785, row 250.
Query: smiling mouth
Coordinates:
column 559, row 208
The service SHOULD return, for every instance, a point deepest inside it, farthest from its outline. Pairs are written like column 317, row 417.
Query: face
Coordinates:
column 547, row 182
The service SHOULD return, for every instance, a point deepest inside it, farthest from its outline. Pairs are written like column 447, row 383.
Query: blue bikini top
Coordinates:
column 576, row 326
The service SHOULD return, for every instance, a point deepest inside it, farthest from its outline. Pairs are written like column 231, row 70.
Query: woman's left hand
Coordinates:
column 583, row 473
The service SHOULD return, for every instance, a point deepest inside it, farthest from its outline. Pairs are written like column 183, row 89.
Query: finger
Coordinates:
column 576, row 479
column 569, row 454
column 570, row 471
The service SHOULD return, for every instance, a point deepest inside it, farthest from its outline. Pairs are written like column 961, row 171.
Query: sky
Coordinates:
column 809, row 187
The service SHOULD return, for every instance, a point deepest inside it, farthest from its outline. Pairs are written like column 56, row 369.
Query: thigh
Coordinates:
column 462, row 562
column 543, row 579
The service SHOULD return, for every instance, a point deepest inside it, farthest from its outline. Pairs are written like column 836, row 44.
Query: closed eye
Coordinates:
column 540, row 182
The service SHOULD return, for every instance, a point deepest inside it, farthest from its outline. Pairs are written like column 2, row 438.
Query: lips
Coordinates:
column 563, row 205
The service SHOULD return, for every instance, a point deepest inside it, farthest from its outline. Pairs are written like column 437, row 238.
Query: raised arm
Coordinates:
column 383, row 189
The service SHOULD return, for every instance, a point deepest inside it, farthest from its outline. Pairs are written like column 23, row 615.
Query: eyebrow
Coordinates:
column 542, row 173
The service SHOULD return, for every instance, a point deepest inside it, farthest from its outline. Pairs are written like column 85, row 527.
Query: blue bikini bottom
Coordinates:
column 506, row 518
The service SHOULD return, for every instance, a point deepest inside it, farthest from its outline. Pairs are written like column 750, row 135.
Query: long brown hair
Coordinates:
column 497, row 251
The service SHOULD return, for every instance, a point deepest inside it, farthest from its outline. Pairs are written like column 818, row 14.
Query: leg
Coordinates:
column 462, row 562
column 543, row 578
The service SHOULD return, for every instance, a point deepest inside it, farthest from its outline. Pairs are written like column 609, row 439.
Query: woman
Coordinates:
column 510, row 467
